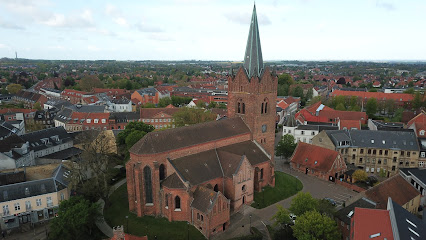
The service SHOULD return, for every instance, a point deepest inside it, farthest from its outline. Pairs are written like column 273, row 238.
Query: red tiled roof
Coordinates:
column 17, row 110
column 420, row 118
column 91, row 99
column 170, row 106
column 283, row 104
column 378, row 95
column 350, row 124
column 395, row 187
column 151, row 112
column 371, row 221
column 314, row 157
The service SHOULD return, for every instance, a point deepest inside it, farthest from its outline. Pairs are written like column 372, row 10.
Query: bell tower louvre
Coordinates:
column 252, row 92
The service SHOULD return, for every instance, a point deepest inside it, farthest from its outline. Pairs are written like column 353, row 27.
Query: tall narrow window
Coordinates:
column 162, row 172
column 266, row 107
column 177, row 202
column 261, row 173
column 166, row 199
column 216, row 188
column 261, row 110
column 148, row 184
column 244, row 108
column 239, row 108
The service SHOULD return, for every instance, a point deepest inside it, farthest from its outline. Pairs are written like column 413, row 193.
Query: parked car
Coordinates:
column 292, row 217
column 330, row 200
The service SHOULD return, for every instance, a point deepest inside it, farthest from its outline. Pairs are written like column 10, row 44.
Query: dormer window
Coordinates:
column 96, row 120
column 88, row 120
column 372, row 141
column 422, row 133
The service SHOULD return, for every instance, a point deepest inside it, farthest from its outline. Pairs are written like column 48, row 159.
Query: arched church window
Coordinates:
column 148, row 184
column 241, row 107
column 166, row 200
column 177, row 202
column 261, row 109
column 162, row 170
column 216, row 188
column 264, row 106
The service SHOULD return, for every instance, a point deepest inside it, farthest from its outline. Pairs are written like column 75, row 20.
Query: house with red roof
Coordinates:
column 320, row 113
column 74, row 96
column 371, row 224
column 401, row 99
column 317, row 161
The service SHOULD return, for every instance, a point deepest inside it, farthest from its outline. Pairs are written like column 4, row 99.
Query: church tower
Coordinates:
column 252, row 92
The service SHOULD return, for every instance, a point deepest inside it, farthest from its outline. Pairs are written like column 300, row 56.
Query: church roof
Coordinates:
column 173, row 139
column 204, row 199
column 253, row 61
column 173, row 181
column 253, row 152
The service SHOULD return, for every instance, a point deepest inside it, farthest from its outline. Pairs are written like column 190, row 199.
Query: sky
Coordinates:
column 212, row 29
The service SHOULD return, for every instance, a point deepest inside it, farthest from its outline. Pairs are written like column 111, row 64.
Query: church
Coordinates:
column 201, row 173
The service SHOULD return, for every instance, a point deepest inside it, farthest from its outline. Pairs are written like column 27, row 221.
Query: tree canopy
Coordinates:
column 76, row 220
column 285, row 146
column 281, row 217
column 360, row 176
column 188, row 116
column 303, row 202
column 314, row 225
column 133, row 132
column 14, row 88
column 88, row 82
column 371, row 107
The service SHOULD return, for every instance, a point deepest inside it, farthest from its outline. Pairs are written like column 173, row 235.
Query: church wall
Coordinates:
column 244, row 185
column 219, row 215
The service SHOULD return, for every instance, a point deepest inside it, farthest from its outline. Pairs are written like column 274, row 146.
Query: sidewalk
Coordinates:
column 37, row 233
column 102, row 225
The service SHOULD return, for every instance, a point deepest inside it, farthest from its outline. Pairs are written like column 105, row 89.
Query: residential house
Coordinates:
column 120, row 105
column 397, row 188
column 400, row 99
column 158, row 117
column 33, row 201
column 317, row 161
column 417, row 178
column 377, row 152
column 381, row 125
column 344, row 216
column 394, row 222
column 29, row 99
column 74, row 96
column 7, row 129
column 318, row 112
column 149, row 95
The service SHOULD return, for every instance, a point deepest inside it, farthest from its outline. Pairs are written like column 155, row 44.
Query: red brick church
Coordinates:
column 201, row 173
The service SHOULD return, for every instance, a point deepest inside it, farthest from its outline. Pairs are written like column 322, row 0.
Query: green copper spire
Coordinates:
column 253, row 61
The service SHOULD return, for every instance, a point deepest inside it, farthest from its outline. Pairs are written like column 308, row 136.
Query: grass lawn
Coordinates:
column 116, row 214
column 285, row 186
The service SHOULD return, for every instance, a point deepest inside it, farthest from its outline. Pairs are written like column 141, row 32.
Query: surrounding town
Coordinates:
column 212, row 150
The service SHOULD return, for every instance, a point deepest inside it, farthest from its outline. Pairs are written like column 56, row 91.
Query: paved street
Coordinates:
column 240, row 222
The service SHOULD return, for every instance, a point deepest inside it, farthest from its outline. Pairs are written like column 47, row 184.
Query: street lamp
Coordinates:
column 127, row 226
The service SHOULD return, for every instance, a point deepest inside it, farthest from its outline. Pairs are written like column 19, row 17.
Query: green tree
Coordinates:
column 309, row 94
column 282, row 90
column 88, row 82
column 222, row 105
column 14, row 88
column 138, row 127
column 201, row 104
column 314, row 225
column 164, row 102
column 281, row 217
column 133, row 138
column 37, row 106
column 409, row 91
column 303, row 202
column 188, row 116
column 285, row 78
column 340, row 107
column 148, row 105
column 325, row 207
column 76, row 220
column 298, row 92
column 212, row 104
column 371, row 107
column 417, row 100
column 390, row 106
column 360, row 176
column 398, row 115
column 285, row 146
column 315, row 100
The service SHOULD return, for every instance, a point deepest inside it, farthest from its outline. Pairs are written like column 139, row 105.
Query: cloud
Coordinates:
column 160, row 37
column 10, row 25
column 82, row 20
column 244, row 18
column 386, row 5
column 93, row 48
column 104, row 32
column 116, row 15
column 143, row 27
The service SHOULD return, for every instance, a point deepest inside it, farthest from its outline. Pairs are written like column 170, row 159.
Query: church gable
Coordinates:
column 252, row 151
